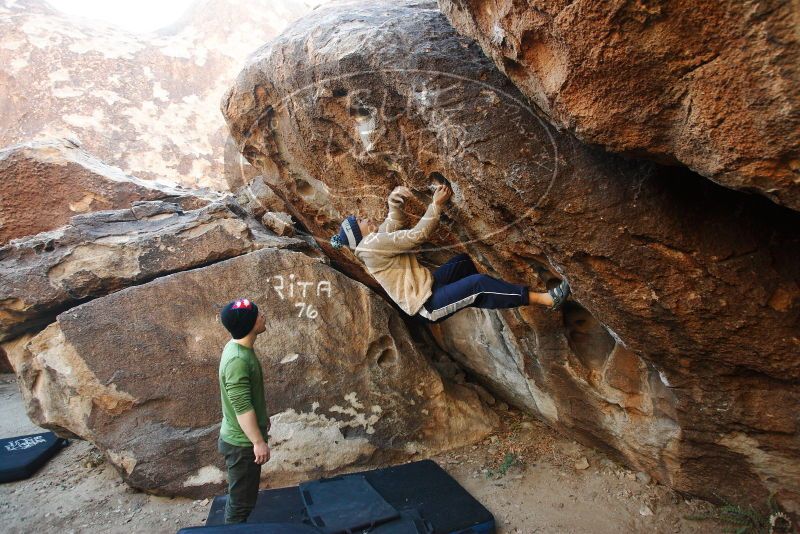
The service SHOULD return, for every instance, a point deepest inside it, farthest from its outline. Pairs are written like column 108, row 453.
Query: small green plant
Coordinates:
column 747, row 520
column 509, row 460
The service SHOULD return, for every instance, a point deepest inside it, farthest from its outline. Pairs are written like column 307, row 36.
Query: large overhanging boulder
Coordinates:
column 715, row 86
column 102, row 252
column 680, row 351
column 135, row 372
column 44, row 183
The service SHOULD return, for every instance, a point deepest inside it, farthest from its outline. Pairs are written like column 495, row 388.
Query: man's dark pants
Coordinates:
column 244, row 475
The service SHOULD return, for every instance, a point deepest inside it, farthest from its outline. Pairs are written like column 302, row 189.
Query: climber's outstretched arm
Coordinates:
column 401, row 241
column 396, row 219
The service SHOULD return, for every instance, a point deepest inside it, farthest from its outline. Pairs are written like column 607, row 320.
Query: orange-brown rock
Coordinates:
column 713, row 86
column 44, row 183
column 135, row 372
column 147, row 103
column 680, row 353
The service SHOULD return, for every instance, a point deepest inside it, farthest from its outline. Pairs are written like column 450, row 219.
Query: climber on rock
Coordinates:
column 387, row 253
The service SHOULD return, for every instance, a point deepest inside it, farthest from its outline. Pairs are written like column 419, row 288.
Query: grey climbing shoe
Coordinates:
column 559, row 294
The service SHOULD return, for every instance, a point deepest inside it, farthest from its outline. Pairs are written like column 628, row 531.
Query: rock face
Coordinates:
column 278, row 222
column 679, row 354
column 44, row 183
column 258, row 198
column 102, row 252
column 147, row 103
column 5, row 365
column 716, row 88
column 238, row 171
column 135, row 372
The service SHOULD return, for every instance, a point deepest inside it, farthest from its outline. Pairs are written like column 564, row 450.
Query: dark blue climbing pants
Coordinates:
column 458, row 285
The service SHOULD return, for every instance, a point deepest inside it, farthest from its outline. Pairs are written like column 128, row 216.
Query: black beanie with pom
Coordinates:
column 239, row 317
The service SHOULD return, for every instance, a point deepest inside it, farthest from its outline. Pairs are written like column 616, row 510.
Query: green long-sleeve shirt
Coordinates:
column 241, row 385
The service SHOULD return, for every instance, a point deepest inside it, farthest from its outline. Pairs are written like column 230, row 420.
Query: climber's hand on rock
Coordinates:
column 400, row 194
column 442, row 194
column 261, row 450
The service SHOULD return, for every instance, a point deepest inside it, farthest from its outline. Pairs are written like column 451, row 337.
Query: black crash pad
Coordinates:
column 345, row 503
column 272, row 506
column 427, row 488
column 407, row 523
column 22, row 456
column 422, row 486
column 410, row 522
column 254, row 528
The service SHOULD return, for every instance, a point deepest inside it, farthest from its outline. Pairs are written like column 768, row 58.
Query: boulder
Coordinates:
column 713, row 87
column 144, row 102
column 135, row 372
column 679, row 352
column 102, row 252
column 44, row 183
column 5, row 365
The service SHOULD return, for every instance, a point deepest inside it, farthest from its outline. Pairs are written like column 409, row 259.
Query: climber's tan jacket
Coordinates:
column 389, row 257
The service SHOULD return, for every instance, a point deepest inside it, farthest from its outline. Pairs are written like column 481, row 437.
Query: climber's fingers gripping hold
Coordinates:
column 442, row 194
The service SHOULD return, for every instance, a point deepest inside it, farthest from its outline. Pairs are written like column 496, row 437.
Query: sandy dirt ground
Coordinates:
column 530, row 478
